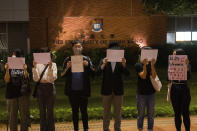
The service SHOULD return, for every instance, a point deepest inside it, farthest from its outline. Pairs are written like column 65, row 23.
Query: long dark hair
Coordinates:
column 18, row 53
column 180, row 51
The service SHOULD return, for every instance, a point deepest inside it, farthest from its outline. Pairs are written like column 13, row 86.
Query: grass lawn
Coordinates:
column 95, row 101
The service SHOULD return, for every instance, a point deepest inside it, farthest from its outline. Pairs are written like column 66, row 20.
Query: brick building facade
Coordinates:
column 54, row 22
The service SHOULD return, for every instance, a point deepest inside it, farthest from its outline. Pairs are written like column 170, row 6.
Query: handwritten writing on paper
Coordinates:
column 77, row 63
column 177, row 69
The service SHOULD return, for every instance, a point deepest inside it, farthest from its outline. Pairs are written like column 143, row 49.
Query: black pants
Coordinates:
column 180, row 97
column 46, row 99
column 79, row 102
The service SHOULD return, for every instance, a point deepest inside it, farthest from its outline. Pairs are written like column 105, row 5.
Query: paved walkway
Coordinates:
column 161, row 124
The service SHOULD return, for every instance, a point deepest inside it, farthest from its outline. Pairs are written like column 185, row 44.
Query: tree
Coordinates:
column 170, row 7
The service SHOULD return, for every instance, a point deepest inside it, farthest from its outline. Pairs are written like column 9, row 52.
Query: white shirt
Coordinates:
column 113, row 65
column 49, row 76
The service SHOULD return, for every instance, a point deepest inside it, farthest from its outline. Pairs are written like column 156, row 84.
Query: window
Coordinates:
column 183, row 36
column 171, row 38
column 181, row 29
column 194, row 36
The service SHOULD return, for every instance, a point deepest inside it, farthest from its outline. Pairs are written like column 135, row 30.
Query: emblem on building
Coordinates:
column 97, row 25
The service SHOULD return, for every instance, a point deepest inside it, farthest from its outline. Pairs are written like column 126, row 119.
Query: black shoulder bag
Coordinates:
column 38, row 83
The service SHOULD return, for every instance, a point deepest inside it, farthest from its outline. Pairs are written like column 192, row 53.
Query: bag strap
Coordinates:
column 42, row 74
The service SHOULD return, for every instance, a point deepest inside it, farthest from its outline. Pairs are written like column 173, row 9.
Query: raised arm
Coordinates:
column 101, row 66
column 153, row 71
column 188, row 69
column 144, row 71
column 36, row 76
column 7, row 74
column 52, row 72
column 66, row 67
column 25, row 71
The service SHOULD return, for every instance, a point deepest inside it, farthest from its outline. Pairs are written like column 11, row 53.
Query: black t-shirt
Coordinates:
column 144, row 86
column 14, row 86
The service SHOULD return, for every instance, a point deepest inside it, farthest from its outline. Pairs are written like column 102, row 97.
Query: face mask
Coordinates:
column 77, row 51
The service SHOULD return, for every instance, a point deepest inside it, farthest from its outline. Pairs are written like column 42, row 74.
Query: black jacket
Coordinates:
column 88, row 71
column 112, row 81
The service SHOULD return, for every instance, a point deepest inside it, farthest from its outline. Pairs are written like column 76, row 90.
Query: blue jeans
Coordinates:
column 142, row 102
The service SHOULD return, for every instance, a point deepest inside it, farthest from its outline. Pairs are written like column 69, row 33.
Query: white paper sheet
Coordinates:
column 16, row 62
column 42, row 58
column 77, row 63
column 115, row 55
column 149, row 54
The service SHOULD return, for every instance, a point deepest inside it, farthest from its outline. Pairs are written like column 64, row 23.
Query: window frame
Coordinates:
column 174, row 30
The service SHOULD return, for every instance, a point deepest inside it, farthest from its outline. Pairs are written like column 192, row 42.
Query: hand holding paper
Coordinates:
column 85, row 63
column 187, row 62
column 105, row 61
column 6, row 67
column 68, row 64
column 153, row 61
column 34, row 64
column 25, row 67
column 50, row 64
column 123, row 62
column 145, row 61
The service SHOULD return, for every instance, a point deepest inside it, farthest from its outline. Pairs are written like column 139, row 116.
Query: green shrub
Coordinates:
column 3, row 56
column 63, row 114
column 129, row 112
column 61, row 55
column 3, row 117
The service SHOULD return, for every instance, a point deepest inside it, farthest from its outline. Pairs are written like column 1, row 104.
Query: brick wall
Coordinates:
column 123, row 18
